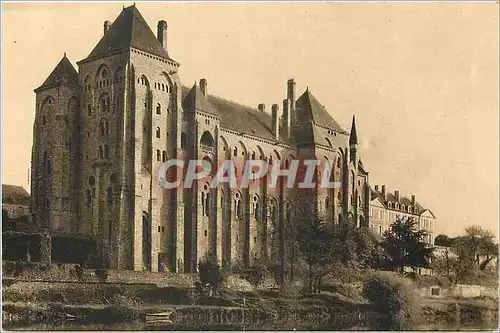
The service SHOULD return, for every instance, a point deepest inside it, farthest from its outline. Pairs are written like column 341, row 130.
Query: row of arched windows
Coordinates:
column 104, row 127
column 161, row 155
column 104, row 151
column 162, row 87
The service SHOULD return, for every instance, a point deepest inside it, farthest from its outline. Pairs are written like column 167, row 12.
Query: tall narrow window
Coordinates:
column 164, row 156
column 106, row 151
column 327, row 203
column 158, row 108
column 101, row 154
column 89, row 109
column 89, row 199
column 49, row 167
column 158, row 155
column 183, row 140
column 207, row 205
column 158, row 132
column 110, row 196
column 235, row 152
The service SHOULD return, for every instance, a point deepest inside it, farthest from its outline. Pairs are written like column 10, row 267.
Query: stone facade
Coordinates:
column 386, row 208
column 102, row 133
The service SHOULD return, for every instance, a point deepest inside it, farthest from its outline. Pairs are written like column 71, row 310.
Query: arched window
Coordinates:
column 253, row 155
column 207, row 204
column 235, row 151
column 256, row 207
column 164, row 156
column 158, row 155
column 91, row 181
column 104, row 104
column 338, row 161
column 104, row 127
column 158, row 108
column 207, row 139
column 183, row 140
column 239, row 209
column 89, row 109
column 49, row 167
column 158, row 132
column 110, row 196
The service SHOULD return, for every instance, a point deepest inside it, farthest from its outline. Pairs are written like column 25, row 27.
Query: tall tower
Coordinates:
column 130, row 127
column 54, row 157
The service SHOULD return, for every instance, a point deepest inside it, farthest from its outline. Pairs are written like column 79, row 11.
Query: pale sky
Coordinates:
column 422, row 79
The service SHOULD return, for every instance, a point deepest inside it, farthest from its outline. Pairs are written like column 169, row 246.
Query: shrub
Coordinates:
column 256, row 274
column 395, row 297
column 79, row 272
column 102, row 274
column 211, row 276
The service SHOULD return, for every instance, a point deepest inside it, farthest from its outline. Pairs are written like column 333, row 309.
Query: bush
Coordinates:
column 102, row 274
column 79, row 272
column 210, row 276
column 395, row 297
column 256, row 274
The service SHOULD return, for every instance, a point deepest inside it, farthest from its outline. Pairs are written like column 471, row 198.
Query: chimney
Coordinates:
column 383, row 191
column 286, row 116
column 261, row 107
column 204, row 87
column 162, row 33
column 107, row 24
column 291, row 95
column 396, row 195
column 275, row 123
column 413, row 199
column 376, row 188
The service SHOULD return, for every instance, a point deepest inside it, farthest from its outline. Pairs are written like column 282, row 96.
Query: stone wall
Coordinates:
column 460, row 290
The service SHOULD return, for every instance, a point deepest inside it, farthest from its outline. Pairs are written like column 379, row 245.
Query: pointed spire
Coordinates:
column 65, row 55
column 353, row 139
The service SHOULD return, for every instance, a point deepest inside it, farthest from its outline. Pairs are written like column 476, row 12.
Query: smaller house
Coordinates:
column 15, row 201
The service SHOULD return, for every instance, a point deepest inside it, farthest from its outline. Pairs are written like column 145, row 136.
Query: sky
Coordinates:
column 421, row 78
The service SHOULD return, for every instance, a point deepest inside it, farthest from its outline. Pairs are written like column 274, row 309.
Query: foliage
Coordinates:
column 443, row 240
column 102, row 274
column 257, row 273
column 404, row 245
column 395, row 297
column 211, row 277
column 466, row 258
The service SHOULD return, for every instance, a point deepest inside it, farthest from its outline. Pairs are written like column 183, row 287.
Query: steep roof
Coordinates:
column 64, row 71
column 129, row 29
column 390, row 197
column 310, row 109
column 233, row 116
column 353, row 138
column 17, row 195
column 195, row 100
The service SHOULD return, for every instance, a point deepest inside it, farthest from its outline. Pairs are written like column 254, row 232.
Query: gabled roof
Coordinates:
column 310, row 109
column 64, row 71
column 129, row 30
column 16, row 195
column 389, row 197
column 195, row 100
column 233, row 116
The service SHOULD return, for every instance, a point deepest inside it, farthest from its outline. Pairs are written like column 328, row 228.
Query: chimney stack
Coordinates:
column 275, row 123
column 162, row 33
column 107, row 24
column 291, row 95
column 396, row 195
column 376, row 188
column 383, row 191
column 204, row 87
column 286, row 116
column 413, row 199
column 261, row 107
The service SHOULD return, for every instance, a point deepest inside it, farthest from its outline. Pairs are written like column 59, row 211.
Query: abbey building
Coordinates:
column 102, row 132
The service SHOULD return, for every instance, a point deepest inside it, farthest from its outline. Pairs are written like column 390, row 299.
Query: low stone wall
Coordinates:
column 459, row 290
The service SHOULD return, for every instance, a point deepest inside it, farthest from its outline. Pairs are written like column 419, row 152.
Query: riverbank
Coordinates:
column 338, row 307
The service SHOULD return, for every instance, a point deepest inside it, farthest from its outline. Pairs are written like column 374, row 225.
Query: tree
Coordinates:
column 315, row 242
column 211, row 277
column 405, row 245
column 443, row 240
